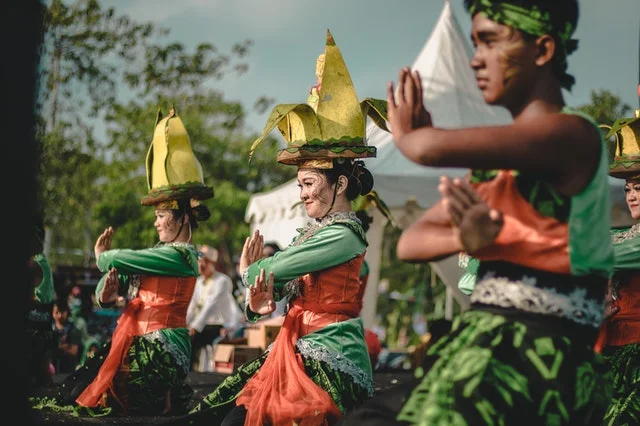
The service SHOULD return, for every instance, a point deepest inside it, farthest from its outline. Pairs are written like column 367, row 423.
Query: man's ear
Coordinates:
column 546, row 48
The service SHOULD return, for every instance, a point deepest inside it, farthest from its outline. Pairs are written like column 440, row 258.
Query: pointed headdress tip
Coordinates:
column 330, row 40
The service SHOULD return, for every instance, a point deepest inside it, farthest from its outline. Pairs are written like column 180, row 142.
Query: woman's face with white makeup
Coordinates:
column 632, row 197
column 315, row 192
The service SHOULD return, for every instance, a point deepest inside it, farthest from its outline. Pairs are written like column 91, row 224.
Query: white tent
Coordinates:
column 452, row 97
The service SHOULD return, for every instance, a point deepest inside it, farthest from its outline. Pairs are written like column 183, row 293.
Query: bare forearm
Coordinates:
column 427, row 243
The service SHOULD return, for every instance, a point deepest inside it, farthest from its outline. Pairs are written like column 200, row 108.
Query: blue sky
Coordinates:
column 376, row 38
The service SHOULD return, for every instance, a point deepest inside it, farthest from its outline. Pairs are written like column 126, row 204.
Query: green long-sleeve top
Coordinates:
column 173, row 259
column 330, row 245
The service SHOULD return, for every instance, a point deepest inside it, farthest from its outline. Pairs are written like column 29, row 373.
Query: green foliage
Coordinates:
column 103, row 70
column 605, row 107
column 412, row 293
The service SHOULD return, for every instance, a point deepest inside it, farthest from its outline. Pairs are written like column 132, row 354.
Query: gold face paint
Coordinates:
column 508, row 52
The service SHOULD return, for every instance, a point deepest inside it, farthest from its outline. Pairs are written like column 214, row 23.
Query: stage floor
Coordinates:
column 202, row 383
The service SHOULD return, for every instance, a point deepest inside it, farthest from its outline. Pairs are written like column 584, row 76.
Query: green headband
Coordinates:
column 535, row 22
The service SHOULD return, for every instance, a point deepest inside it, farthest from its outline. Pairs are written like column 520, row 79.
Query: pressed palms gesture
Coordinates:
column 261, row 295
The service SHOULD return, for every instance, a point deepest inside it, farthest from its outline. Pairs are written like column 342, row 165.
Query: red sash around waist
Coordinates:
column 281, row 392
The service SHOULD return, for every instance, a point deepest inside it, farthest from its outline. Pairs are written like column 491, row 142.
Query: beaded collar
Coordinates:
column 630, row 233
column 312, row 227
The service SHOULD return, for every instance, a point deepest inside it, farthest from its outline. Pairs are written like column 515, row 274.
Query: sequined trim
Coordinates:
column 181, row 359
column 338, row 362
column 630, row 233
column 175, row 244
column 524, row 295
column 463, row 260
column 245, row 278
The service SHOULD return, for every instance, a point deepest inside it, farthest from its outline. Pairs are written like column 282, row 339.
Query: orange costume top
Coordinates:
column 322, row 323
column 553, row 255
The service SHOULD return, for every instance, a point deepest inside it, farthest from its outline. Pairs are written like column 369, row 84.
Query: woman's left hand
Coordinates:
column 261, row 295
column 103, row 243
column 251, row 251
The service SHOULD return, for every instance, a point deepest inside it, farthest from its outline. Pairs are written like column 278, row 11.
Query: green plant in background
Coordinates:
column 409, row 295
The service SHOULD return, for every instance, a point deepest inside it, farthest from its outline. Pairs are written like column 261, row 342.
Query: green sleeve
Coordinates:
column 177, row 261
column 330, row 246
column 164, row 260
column 44, row 292
column 627, row 254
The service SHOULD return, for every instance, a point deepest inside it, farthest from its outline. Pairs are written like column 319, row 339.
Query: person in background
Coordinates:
column 619, row 338
column 66, row 356
column 40, row 339
column 524, row 351
column 270, row 248
column 318, row 366
column 213, row 311
column 142, row 371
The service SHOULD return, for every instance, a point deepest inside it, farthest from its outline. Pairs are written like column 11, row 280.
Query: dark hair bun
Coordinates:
column 201, row 212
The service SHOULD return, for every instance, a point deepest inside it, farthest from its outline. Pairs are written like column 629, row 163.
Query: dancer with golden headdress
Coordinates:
column 318, row 367
column 142, row 370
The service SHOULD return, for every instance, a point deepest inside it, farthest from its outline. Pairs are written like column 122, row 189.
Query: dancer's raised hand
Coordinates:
column 103, row 243
column 475, row 224
column 261, row 295
column 109, row 292
column 251, row 251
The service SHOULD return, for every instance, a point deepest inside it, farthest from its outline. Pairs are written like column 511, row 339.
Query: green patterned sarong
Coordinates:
column 624, row 363
column 496, row 371
column 345, row 392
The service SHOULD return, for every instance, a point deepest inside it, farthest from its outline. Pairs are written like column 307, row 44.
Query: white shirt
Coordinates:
column 213, row 303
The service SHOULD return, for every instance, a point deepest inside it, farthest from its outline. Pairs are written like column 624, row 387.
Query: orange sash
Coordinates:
column 281, row 392
column 120, row 343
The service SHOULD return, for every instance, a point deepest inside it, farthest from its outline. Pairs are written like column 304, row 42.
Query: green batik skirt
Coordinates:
column 216, row 405
column 152, row 371
column 624, row 362
column 496, row 370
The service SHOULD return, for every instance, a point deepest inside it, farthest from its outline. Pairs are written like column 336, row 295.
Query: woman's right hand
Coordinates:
column 103, row 243
column 109, row 292
column 251, row 251
column 261, row 295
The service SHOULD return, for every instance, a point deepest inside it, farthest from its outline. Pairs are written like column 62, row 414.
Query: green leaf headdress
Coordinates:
column 331, row 124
